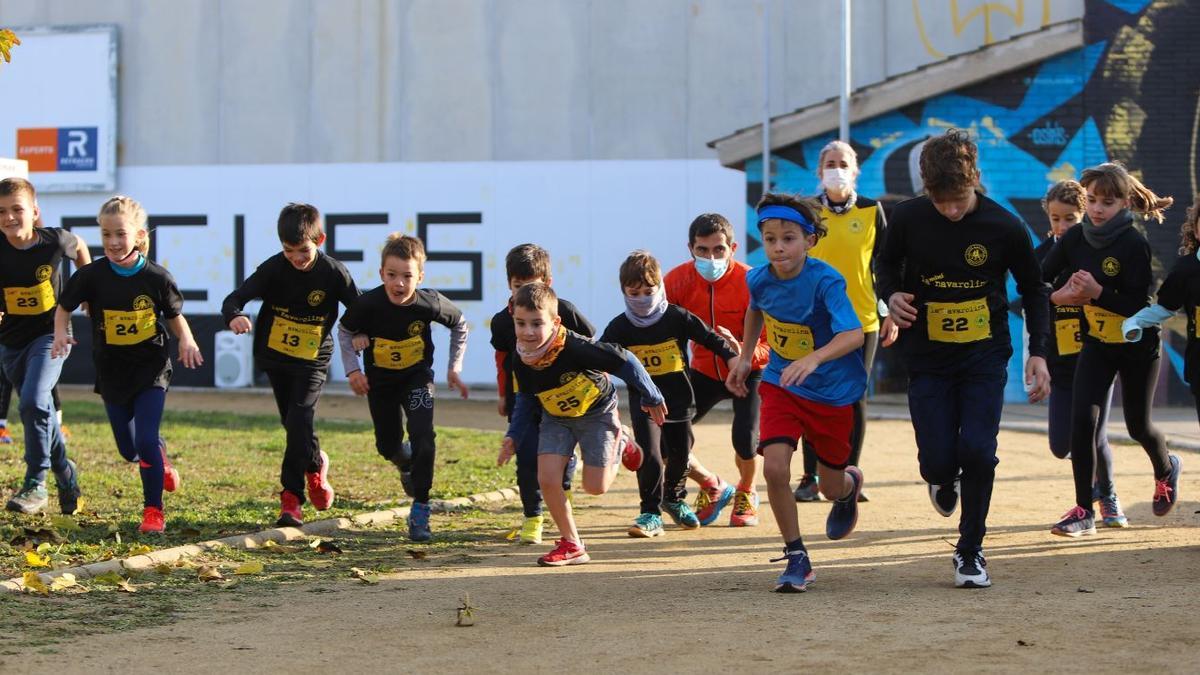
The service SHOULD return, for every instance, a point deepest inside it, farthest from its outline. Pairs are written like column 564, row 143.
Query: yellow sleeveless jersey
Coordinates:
column 850, row 246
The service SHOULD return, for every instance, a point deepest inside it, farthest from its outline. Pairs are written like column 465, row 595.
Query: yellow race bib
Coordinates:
column 1196, row 321
column 30, row 300
column 792, row 341
column 660, row 359
column 1066, row 334
column 129, row 328
column 572, row 399
column 1104, row 325
column 298, row 340
column 959, row 322
column 398, row 355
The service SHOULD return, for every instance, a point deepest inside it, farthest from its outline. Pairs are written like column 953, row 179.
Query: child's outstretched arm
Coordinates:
column 62, row 334
column 1147, row 317
column 635, row 376
column 458, row 347
column 842, row 343
column 189, row 351
column 358, row 381
column 231, row 307
column 735, row 382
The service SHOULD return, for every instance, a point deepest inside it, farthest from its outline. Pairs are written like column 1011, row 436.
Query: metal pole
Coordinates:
column 766, row 123
column 844, row 98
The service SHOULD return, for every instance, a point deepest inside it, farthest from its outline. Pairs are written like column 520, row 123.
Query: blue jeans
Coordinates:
column 34, row 374
column 135, row 427
column 956, row 418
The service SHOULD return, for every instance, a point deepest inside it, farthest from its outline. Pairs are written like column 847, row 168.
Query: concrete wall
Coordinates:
column 301, row 81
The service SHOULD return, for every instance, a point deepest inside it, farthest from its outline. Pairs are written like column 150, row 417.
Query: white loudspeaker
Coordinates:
column 234, row 362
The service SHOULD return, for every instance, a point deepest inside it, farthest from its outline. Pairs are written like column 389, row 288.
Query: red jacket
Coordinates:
column 723, row 303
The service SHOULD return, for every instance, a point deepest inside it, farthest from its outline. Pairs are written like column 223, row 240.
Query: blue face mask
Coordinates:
column 711, row 268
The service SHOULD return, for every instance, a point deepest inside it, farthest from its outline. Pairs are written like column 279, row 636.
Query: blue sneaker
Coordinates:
column 646, row 525
column 844, row 514
column 1075, row 523
column 1111, row 513
column 711, row 501
column 418, row 522
column 682, row 514
column 1166, row 491
column 798, row 574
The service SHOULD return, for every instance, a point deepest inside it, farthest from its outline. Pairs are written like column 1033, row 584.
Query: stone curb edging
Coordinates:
column 1040, row 428
column 139, row 563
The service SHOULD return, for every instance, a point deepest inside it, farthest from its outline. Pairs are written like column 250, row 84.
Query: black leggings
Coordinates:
column 870, row 344
column 410, row 402
column 665, row 453
column 6, row 392
column 1059, row 428
column 710, row 392
column 296, row 394
column 1094, row 375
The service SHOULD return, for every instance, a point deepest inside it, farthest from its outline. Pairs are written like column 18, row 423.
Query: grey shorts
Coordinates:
column 596, row 432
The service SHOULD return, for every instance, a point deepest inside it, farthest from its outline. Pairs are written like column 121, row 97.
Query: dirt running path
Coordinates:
column 1125, row 600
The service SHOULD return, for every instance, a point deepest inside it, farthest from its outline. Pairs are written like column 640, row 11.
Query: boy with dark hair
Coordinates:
column 943, row 274
column 712, row 285
column 526, row 264
column 300, row 289
column 30, row 274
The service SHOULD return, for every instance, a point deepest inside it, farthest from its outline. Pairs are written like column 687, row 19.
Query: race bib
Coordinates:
column 792, row 341
column 298, row 340
column 660, row 359
column 1104, row 325
column 959, row 322
column 1195, row 321
column 129, row 328
column 1066, row 334
column 571, row 399
column 30, row 300
column 398, row 355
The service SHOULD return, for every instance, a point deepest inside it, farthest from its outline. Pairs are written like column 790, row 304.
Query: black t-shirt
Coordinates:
column 957, row 273
column 129, row 340
column 1123, row 271
column 1181, row 290
column 31, row 280
column 662, row 349
column 504, row 339
column 400, row 336
column 576, row 380
column 299, row 308
column 1062, row 349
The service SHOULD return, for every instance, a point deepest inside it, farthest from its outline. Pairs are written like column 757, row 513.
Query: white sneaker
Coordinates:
column 970, row 570
column 945, row 497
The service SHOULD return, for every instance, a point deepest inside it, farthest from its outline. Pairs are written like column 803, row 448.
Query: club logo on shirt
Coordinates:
column 416, row 327
column 856, row 226
column 566, row 377
column 143, row 302
column 44, row 272
column 976, row 255
column 316, row 297
column 1111, row 266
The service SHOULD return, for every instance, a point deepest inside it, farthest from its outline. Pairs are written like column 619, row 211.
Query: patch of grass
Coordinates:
column 230, row 471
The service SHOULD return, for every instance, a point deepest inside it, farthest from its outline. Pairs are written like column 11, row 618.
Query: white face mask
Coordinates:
column 837, row 179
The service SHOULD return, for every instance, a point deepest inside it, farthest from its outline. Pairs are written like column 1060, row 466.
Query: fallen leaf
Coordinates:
column 1085, row 589
column 34, row 583
column 34, row 559
column 1024, row 643
column 64, row 523
column 270, row 543
column 252, row 567
column 417, row 555
column 513, row 534
column 190, row 532
column 228, row 583
column 108, row 578
column 329, row 547
column 140, row 549
column 126, row 587
column 364, row 576
column 44, row 548
column 466, row 613
column 64, row 581
column 164, row 569
column 209, row 573
column 42, row 534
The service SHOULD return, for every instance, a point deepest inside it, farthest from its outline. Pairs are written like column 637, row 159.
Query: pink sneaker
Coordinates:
column 320, row 492
column 564, row 553
column 631, row 453
column 745, row 510
column 171, row 479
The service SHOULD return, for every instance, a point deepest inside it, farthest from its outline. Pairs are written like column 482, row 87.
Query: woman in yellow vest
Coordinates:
column 856, row 229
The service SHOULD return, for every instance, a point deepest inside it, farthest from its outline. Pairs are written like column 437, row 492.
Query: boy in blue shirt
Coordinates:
column 814, row 375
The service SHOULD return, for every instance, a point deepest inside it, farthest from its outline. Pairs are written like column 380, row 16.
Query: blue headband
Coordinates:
column 785, row 213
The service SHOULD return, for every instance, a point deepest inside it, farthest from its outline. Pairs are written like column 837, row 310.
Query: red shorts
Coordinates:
column 785, row 418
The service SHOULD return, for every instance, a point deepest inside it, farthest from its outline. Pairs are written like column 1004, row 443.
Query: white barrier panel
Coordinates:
column 205, row 219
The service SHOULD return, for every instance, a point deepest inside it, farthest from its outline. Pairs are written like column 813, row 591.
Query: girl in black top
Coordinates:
column 1109, row 263
column 129, row 299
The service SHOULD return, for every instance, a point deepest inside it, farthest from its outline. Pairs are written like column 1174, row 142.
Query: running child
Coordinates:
column 300, row 289
column 1064, row 205
column 712, row 285
column 526, row 264
column 943, row 271
column 566, row 375
column 657, row 333
column 394, row 321
column 1109, row 263
column 30, row 274
column 130, row 298
column 814, row 375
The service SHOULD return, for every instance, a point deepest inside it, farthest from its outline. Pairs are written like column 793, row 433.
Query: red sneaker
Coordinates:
column 745, row 509
column 631, row 453
column 171, row 479
column 564, row 553
column 320, row 492
column 5, row 437
column 289, row 510
column 152, row 521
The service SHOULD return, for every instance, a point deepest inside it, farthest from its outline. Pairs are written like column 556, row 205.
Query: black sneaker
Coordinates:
column 844, row 514
column 1166, row 491
column 403, row 462
column 68, row 489
column 807, row 490
column 945, row 497
column 970, row 570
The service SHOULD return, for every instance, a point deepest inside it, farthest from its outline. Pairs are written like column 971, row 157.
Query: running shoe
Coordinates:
column 945, row 497
column 531, row 529
column 797, row 575
column 1111, row 513
column 970, row 570
column 646, row 525
column 1166, row 491
column 403, row 462
column 32, row 498
column 171, row 479
column 152, row 521
column 289, row 510
column 68, row 489
column 710, row 501
column 808, row 490
column 844, row 514
column 565, row 553
column 631, row 452
column 418, row 522
column 320, row 492
column 1075, row 523
column 682, row 514
column 5, row 437
column 745, row 510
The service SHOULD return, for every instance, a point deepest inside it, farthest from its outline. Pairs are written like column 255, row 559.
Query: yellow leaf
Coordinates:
column 44, row 548
column 163, row 569
column 249, row 568
column 364, row 576
column 64, row 524
column 140, row 549
column 108, row 578
column 62, row 582
column 126, row 587
column 34, row 560
column 34, row 583
column 270, row 543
